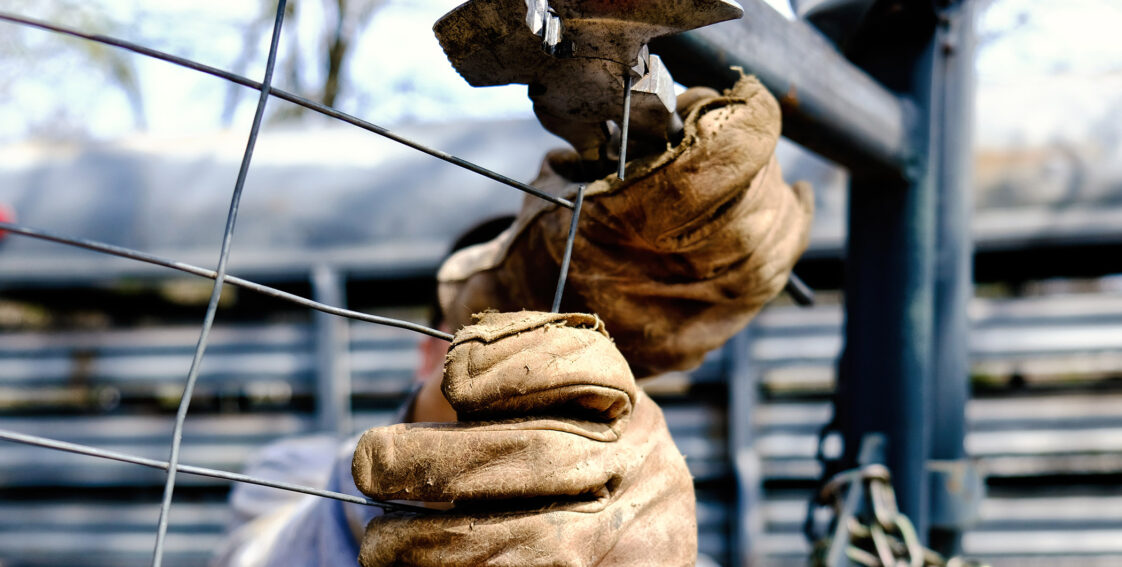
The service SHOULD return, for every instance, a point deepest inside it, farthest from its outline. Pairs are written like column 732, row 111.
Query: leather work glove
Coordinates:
column 558, row 459
column 675, row 259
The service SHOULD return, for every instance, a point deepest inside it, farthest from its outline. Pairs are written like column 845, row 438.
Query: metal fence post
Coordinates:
column 829, row 105
column 892, row 105
column 748, row 525
column 955, row 487
column 332, row 358
column 886, row 372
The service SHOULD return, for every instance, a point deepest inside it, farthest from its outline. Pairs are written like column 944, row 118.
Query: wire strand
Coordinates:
column 37, row 441
column 289, row 97
column 568, row 251
column 625, row 127
column 216, row 292
column 211, row 274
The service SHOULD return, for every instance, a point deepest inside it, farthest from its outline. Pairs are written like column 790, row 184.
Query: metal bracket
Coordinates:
column 957, row 490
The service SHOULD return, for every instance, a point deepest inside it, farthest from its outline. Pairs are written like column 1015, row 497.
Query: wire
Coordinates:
column 568, row 251
column 799, row 291
column 216, row 292
column 172, row 465
column 626, row 124
column 37, row 441
column 211, row 274
column 289, row 97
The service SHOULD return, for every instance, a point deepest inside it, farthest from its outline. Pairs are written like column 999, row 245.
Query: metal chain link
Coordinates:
column 879, row 535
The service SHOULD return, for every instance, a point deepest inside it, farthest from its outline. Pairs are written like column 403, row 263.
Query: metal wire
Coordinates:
column 172, row 465
column 211, row 274
column 799, row 291
column 289, row 97
column 216, row 292
column 37, row 441
column 568, row 251
column 626, row 123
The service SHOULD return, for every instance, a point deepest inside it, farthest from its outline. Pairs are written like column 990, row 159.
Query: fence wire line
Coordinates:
column 172, row 466
column 211, row 274
column 568, row 255
column 216, row 291
column 37, row 441
column 622, row 171
column 289, row 97
column 799, row 291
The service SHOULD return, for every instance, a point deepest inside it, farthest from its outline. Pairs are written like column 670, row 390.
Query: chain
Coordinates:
column 865, row 511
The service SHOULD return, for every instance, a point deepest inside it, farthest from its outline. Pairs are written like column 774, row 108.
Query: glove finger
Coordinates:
column 540, row 538
column 531, row 364
column 693, row 95
column 649, row 519
column 500, row 461
column 804, row 192
column 728, row 141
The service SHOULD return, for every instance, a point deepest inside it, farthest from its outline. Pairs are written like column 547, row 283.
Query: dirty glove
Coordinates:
column 676, row 259
column 558, row 459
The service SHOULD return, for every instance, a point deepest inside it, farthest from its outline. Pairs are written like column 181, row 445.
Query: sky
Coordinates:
column 1049, row 36
column 400, row 70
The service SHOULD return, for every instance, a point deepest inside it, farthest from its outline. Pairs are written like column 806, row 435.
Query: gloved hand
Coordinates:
column 676, row 259
column 558, row 459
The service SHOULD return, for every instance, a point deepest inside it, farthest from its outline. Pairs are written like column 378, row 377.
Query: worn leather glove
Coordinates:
column 558, row 459
column 676, row 259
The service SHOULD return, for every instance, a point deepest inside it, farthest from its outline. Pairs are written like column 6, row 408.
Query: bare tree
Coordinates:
column 344, row 21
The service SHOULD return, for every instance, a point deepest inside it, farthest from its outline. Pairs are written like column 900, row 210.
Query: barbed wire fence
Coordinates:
column 220, row 276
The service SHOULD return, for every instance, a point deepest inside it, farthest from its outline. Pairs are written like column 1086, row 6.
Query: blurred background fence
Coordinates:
column 93, row 349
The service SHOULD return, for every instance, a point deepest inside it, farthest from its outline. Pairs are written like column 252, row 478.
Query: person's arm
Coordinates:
column 675, row 259
column 556, row 457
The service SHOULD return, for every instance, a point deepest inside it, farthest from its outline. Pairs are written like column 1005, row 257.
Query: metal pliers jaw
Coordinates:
column 576, row 56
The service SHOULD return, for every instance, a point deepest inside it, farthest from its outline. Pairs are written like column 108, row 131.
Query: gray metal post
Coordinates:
column 829, row 105
column 885, row 372
column 885, row 376
column 894, row 109
column 332, row 344
column 955, row 487
column 748, row 524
